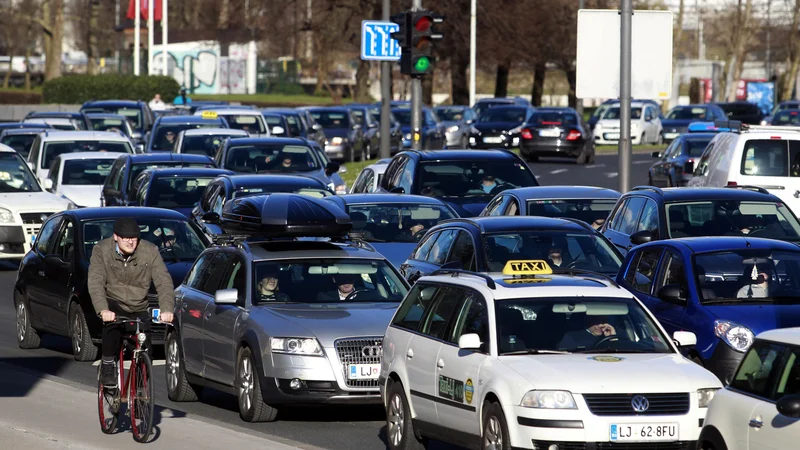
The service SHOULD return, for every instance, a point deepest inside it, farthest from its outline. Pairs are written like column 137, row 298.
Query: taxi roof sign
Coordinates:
column 530, row 267
column 209, row 115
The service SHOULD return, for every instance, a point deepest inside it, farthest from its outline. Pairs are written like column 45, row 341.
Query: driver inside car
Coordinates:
column 345, row 286
column 597, row 329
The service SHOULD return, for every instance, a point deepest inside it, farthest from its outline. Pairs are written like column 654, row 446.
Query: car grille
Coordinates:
column 34, row 218
column 545, row 445
column 620, row 404
column 351, row 351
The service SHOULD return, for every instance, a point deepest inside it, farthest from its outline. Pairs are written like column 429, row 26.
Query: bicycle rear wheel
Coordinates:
column 107, row 407
column 141, row 398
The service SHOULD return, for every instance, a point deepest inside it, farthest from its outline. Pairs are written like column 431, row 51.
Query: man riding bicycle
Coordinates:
column 120, row 272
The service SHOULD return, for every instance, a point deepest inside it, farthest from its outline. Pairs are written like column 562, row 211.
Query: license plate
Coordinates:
column 552, row 132
column 492, row 140
column 363, row 371
column 611, row 136
column 154, row 313
column 643, row 432
column 671, row 135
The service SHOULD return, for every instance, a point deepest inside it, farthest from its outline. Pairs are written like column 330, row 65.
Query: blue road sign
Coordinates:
column 376, row 41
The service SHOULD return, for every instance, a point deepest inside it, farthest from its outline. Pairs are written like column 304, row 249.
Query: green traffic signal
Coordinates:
column 422, row 64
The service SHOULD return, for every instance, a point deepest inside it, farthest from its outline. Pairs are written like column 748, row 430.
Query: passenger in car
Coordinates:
column 268, row 289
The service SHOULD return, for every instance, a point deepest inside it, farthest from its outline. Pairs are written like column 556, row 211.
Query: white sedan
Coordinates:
column 645, row 125
column 79, row 177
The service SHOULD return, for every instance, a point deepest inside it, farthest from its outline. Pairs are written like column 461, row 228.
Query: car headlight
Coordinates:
column 598, row 127
column 407, row 136
column 704, row 397
column 738, row 337
column 337, row 141
column 452, row 129
column 634, row 126
column 341, row 189
column 6, row 216
column 296, row 346
column 548, row 400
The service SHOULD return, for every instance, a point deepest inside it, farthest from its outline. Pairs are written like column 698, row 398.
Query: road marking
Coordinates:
column 157, row 362
column 592, row 166
column 553, row 172
column 641, row 162
column 611, row 174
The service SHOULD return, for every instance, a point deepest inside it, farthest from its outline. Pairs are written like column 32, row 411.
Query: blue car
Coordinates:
column 166, row 129
column 432, row 133
column 676, row 164
column 678, row 119
column 725, row 290
column 393, row 223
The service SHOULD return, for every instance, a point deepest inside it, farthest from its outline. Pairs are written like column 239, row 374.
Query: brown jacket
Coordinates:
column 111, row 277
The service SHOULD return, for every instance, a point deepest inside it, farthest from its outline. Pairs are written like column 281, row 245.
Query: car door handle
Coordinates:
column 183, row 306
column 41, row 273
column 755, row 423
column 410, row 354
column 208, row 314
column 440, row 363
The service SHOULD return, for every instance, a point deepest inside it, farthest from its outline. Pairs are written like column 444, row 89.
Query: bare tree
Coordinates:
column 740, row 38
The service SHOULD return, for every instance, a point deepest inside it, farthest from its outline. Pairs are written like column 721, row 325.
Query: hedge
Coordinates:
column 76, row 89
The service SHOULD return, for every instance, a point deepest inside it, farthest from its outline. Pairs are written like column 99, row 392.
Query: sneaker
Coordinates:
column 108, row 375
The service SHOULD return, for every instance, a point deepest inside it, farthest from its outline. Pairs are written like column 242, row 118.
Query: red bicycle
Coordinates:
column 137, row 389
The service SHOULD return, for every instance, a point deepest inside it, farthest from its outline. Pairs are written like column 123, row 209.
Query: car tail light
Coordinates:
column 732, row 183
column 573, row 135
column 526, row 133
column 775, row 137
column 551, row 122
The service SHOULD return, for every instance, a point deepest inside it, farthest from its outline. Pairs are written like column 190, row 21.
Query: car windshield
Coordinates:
column 481, row 107
column 687, row 113
column 331, row 119
column 245, row 122
column 747, row 276
column 599, row 111
column 294, row 124
column 786, row 118
column 271, row 158
column 503, row 114
column 53, row 149
column 612, row 113
column 472, row 178
column 396, row 222
column 133, row 115
column 165, row 135
column 114, row 125
column 576, row 324
column 552, row 119
column 19, row 142
column 86, row 171
column 176, row 239
column 206, row 144
column 732, row 218
column 450, row 114
column 177, row 192
column 403, row 116
column 309, row 191
column 697, row 146
column 15, row 176
column 136, row 169
column 586, row 210
column 329, row 280
column 561, row 249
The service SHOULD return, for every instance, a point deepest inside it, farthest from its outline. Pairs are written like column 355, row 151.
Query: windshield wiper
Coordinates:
column 535, row 351
column 717, row 301
column 608, row 350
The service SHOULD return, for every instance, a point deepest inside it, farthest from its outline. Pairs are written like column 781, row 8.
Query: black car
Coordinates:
column 20, row 139
column 486, row 244
column 286, row 156
column 229, row 187
column 557, row 132
column 137, row 112
column 676, row 164
column 78, row 119
column 51, row 295
column 179, row 189
column 464, row 179
column 166, row 128
column 345, row 135
column 371, row 126
column 744, row 112
column 314, row 131
column 117, row 190
column 649, row 213
column 395, row 129
column 499, row 127
column 433, row 133
column 483, row 104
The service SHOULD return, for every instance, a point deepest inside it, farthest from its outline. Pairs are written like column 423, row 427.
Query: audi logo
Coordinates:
column 372, row 351
column 640, row 404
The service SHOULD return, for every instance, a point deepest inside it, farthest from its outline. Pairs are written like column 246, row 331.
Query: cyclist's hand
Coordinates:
column 165, row 317
column 107, row 316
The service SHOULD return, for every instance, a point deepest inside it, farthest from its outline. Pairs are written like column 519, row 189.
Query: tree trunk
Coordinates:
column 501, row 80
column 224, row 15
column 7, row 36
column 572, row 99
column 794, row 56
column 427, row 90
column 459, row 83
column 54, row 11
column 361, row 89
column 539, row 73
column 27, row 68
column 736, row 62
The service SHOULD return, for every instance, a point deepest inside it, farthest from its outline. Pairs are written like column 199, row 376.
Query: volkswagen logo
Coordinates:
column 372, row 351
column 640, row 404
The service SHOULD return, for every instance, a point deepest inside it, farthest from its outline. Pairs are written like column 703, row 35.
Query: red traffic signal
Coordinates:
column 423, row 23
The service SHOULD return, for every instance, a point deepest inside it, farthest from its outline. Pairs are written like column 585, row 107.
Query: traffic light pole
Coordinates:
column 625, row 148
column 416, row 100
column 386, row 95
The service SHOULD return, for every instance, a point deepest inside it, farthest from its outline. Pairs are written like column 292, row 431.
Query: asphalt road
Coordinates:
column 603, row 173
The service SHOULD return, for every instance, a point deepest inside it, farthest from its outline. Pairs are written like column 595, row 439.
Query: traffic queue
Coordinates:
column 476, row 306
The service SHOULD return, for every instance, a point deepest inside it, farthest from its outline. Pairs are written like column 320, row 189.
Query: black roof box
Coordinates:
column 284, row 215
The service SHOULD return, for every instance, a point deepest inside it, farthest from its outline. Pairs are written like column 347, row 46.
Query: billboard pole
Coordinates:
column 625, row 148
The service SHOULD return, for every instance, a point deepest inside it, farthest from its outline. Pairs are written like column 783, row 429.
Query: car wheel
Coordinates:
column 27, row 337
column 495, row 429
column 178, row 387
column 660, row 139
column 248, row 388
column 581, row 158
column 83, row 349
column 399, row 427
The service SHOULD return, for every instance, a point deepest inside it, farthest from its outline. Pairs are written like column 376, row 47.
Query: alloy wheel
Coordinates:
column 246, row 384
column 493, row 435
column 396, row 420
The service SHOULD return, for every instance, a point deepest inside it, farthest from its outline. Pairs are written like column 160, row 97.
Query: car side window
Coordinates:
column 645, row 270
column 65, row 245
column 672, row 272
column 441, row 248
column 236, row 278
column 424, row 247
column 210, row 279
column 702, row 165
column 649, row 219
column 195, row 274
column 34, row 153
column 789, row 382
column 493, row 205
column 114, row 181
column 369, row 182
column 361, row 183
column 463, row 251
column 406, row 179
column 413, row 309
column 630, row 215
column 670, row 149
column 393, row 177
column 759, row 371
column 445, row 306
column 648, row 114
column 615, row 218
column 46, row 236
column 512, row 207
column 474, row 318
column 53, row 175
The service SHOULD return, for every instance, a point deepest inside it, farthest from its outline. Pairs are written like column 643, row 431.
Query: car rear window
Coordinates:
column 789, row 117
column 553, row 118
column 771, row 158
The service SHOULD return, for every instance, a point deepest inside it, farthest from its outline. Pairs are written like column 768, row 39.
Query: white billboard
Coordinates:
column 598, row 58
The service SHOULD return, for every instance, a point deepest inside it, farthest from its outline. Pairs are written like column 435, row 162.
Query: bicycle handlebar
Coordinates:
column 122, row 319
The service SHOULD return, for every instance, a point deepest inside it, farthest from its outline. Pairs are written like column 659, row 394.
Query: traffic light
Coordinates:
column 423, row 34
column 401, row 35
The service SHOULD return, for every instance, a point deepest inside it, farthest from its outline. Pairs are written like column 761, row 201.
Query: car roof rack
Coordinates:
column 229, row 239
column 648, row 188
column 589, row 273
column 770, row 128
column 456, row 272
column 749, row 188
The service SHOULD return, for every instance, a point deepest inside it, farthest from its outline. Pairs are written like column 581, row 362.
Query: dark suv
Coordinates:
column 649, row 213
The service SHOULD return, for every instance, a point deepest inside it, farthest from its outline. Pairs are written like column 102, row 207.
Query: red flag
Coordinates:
column 144, row 6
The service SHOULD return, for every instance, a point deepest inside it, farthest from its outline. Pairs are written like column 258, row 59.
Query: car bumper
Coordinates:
column 561, row 148
column 479, row 143
column 337, row 151
column 16, row 240
column 453, row 139
column 723, row 362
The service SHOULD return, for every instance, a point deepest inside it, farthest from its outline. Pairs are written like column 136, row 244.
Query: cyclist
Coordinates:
column 120, row 272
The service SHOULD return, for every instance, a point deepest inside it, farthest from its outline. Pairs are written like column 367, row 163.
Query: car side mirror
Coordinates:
column 48, row 184
column 397, row 190
column 789, row 406
column 211, row 217
column 672, row 293
column 332, row 167
column 684, row 338
column 470, row 341
column 277, row 130
column 136, row 135
column 226, row 296
column 688, row 167
column 641, row 237
column 656, row 154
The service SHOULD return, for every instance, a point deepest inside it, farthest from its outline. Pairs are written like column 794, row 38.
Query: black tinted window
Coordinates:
column 446, row 306
column 210, row 279
column 414, row 307
column 758, row 373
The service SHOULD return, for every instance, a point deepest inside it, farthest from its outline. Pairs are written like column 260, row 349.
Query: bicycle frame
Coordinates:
column 139, row 338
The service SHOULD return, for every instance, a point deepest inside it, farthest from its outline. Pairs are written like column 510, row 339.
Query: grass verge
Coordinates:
column 269, row 99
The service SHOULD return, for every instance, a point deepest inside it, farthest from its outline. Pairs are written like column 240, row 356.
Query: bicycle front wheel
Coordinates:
column 141, row 398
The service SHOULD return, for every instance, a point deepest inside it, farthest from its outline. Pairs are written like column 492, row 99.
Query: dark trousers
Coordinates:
column 112, row 334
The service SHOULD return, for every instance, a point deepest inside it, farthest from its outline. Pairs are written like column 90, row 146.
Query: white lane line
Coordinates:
column 553, row 172
column 592, row 166
column 157, row 362
column 611, row 174
column 642, row 162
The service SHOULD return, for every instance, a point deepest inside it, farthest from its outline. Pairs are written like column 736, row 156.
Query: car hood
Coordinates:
column 611, row 373
column 33, row 201
column 84, row 196
column 332, row 321
column 608, row 123
column 759, row 317
column 676, row 123
column 498, row 126
column 336, row 132
column 395, row 252
column 468, row 206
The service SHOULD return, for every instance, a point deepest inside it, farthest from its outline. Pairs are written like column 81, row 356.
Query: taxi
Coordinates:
column 533, row 359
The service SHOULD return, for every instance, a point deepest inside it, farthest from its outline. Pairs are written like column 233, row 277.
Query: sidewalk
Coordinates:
column 40, row 414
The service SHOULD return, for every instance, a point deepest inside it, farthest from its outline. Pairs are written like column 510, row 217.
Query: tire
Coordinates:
column 27, row 337
column 592, row 156
column 399, row 427
column 582, row 158
column 178, row 387
column 248, row 389
column 107, row 407
column 659, row 139
column 83, row 349
column 141, row 400
column 495, row 429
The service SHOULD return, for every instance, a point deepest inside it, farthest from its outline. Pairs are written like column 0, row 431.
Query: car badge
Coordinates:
column 606, row 358
column 640, row 404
